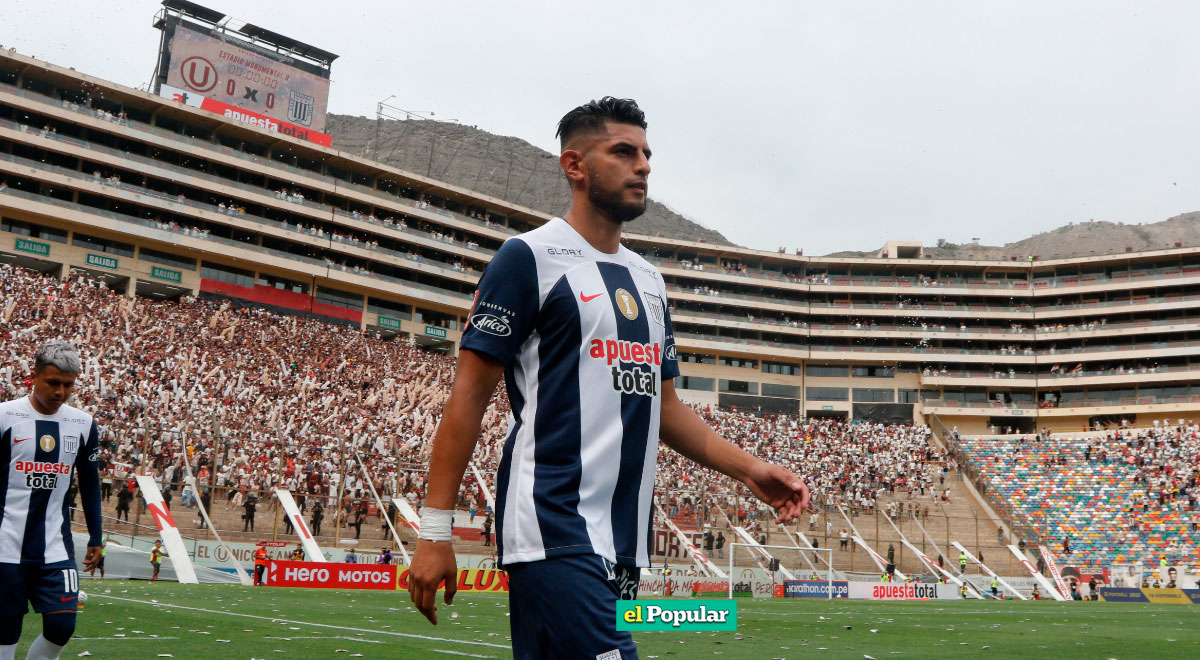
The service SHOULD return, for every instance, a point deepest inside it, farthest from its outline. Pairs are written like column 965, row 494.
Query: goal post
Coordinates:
column 788, row 557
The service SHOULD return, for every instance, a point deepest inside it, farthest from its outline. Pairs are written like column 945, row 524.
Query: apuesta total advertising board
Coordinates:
column 902, row 591
column 244, row 116
column 231, row 73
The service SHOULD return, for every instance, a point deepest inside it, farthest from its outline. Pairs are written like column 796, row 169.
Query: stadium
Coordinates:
column 269, row 329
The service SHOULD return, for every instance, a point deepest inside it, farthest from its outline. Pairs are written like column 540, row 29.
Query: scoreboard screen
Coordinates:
column 236, row 73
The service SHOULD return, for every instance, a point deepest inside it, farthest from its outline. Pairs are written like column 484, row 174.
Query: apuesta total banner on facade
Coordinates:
column 244, row 116
column 228, row 73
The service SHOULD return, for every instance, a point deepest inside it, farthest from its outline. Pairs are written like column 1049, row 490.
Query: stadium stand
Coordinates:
column 1125, row 496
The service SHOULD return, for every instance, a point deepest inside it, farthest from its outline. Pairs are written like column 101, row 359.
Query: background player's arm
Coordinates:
column 457, row 434
column 87, row 469
column 682, row 429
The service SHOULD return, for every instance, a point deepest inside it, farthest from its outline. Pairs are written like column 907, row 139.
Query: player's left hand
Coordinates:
column 779, row 488
column 92, row 558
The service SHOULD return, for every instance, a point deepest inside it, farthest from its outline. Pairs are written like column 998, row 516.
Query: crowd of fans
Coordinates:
column 859, row 467
column 260, row 399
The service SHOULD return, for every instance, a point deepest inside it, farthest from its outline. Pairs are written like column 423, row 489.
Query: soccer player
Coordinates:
column 41, row 440
column 580, row 329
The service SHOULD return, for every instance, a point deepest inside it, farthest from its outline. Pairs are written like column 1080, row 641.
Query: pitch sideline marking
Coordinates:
column 306, row 623
column 468, row 655
column 348, row 639
column 122, row 639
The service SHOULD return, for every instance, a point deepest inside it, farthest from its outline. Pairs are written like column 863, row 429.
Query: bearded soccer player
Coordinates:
column 41, row 440
column 580, row 329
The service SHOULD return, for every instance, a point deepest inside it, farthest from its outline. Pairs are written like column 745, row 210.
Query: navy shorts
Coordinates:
column 48, row 587
column 567, row 608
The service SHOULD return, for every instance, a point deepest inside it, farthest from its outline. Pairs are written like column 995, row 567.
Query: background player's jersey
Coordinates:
column 586, row 341
column 37, row 454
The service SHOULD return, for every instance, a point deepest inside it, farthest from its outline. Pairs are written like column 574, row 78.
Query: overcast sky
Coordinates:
column 826, row 126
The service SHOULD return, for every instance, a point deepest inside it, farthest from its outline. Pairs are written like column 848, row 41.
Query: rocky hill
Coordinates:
column 512, row 169
column 1087, row 238
column 505, row 167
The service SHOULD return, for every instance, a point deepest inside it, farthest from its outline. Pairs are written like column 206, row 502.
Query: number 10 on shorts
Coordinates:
column 70, row 580
column 635, row 615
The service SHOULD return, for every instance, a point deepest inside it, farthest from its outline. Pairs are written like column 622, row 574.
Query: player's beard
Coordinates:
column 611, row 201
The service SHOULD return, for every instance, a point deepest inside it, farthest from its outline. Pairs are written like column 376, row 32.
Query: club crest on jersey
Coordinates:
column 46, row 442
column 627, row 304
column 654, row 306
column 70, row 443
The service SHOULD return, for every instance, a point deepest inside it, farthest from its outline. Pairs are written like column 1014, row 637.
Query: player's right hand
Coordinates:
column 433, row 562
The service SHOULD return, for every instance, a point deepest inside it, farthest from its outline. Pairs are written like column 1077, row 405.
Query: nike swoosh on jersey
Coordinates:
column 67, row 598
column 19, row 440
column 589, row 298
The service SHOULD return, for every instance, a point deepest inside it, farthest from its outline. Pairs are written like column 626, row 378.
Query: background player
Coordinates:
column 580, row 328
column 41, row 440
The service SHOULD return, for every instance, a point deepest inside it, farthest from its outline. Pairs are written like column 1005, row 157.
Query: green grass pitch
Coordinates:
column 133, row 620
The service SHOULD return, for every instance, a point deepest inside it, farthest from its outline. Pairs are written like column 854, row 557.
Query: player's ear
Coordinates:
column 574, row 166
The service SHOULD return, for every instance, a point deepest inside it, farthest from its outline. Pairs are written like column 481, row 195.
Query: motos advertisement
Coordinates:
column 325, row 575
column 230, row 73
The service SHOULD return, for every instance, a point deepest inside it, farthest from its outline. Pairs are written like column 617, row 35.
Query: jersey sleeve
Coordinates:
column 670, row 365
column 87, row 468
column 506, row 303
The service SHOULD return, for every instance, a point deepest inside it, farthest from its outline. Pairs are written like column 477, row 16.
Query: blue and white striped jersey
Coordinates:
column 37, row 454
column 586, row 341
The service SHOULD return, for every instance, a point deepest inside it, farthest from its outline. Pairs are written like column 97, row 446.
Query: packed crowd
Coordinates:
column 858, row 467
column 261, row 400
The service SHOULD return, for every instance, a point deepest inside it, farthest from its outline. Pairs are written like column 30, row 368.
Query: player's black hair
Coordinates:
column 591, row 117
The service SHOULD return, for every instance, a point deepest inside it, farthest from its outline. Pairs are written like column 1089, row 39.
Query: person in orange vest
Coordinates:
column 260, row 565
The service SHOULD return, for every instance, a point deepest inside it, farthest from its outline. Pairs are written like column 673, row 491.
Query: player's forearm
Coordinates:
column 455, row 441
column 682, row 429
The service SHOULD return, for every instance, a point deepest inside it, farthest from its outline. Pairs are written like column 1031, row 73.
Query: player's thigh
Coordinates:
column 53, row 587
column 566, row 608
column 14, row 590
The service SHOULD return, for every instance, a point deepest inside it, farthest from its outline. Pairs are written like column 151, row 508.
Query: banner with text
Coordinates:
column 325, row 575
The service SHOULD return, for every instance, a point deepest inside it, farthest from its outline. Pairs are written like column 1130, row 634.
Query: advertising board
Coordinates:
column 224, row 71
column 901, row 591
column 244, row 116
column 469, row 579
column 814, row 589
column 326, row 575
column 1123, row 595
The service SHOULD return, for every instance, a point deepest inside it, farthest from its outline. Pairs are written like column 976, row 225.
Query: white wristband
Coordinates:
column 435, row 524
